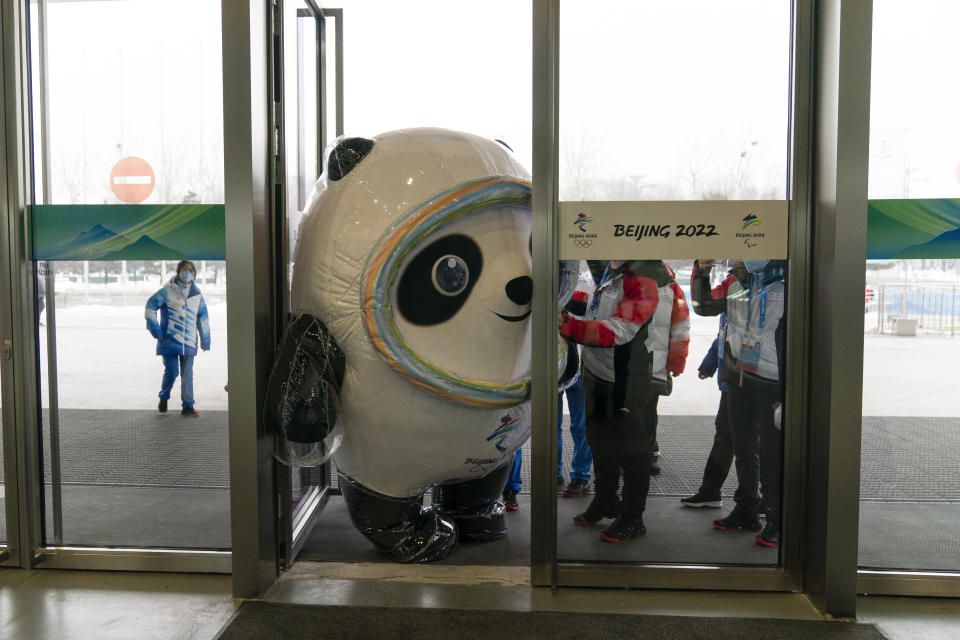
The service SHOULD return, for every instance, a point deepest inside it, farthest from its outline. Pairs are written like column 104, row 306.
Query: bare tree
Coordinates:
column 579, row 166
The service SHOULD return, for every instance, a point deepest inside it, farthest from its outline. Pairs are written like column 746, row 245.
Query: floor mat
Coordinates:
column 265, row 620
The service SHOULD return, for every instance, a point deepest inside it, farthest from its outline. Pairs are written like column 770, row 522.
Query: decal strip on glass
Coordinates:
column 913, row 228
column 128, row 232
column 677, row 230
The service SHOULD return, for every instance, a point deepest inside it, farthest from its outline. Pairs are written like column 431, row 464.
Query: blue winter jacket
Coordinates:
column 713, row 361
column 183, row 313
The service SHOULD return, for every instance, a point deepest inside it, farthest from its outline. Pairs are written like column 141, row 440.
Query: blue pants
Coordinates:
column 172, row 367
column 515, row 481
column 582, row 455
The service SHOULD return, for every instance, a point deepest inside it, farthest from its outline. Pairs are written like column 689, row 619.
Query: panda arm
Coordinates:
column 307, row 376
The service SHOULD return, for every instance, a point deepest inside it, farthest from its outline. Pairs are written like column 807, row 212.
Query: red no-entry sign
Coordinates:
column 132, row 180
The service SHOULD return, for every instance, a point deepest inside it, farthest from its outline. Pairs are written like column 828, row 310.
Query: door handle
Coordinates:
column 7, row 349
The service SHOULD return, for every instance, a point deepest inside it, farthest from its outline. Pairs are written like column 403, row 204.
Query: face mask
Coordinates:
column 755, row 266
column 186, row 276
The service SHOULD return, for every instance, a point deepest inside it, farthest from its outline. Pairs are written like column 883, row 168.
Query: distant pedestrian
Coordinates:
column 183, row 315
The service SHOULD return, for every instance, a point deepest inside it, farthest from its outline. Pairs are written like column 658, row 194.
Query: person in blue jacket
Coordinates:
column 183, row 315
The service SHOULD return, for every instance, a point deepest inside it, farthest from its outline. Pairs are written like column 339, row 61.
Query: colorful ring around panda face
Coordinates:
column 381, row 272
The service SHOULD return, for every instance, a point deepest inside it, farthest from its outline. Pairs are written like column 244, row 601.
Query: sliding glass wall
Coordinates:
column 128, row 148
column 910, row 485
column 670, row 111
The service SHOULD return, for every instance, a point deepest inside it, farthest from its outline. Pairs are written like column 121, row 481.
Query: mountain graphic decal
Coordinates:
column 92, row 244
column 145, row 249
column 945, row 245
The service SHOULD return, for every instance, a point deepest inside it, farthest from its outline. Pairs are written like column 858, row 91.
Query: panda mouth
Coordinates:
column 514, row 318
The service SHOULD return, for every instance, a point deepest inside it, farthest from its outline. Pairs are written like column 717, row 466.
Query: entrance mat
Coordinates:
column 266, row 620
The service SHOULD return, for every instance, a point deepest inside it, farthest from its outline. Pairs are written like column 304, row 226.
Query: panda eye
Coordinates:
column 450, row 275
column 437, row 281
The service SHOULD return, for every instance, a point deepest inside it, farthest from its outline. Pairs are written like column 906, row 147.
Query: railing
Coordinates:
column 935, row 307
column 123, row 294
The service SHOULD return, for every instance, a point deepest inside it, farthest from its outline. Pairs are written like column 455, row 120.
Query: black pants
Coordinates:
column 751, row 413
column 621, row 437
column 721, row 454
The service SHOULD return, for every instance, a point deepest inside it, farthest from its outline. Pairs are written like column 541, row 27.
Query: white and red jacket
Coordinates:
column 640, row 300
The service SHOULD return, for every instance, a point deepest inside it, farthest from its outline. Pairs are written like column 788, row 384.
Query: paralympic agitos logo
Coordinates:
column 751, row 238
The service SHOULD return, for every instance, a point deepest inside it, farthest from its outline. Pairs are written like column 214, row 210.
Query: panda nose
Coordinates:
column 520, row 290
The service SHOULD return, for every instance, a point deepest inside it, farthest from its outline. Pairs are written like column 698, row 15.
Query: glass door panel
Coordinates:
column 909, row 491
column 435, row 75
column 661, row 103
column 129, row 151
column 309, row 75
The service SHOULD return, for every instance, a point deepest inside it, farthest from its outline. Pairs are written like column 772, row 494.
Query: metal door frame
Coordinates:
column 21, row 389
column 297, row 521
column 21, row 451
column 10, row 549
column 827, row 174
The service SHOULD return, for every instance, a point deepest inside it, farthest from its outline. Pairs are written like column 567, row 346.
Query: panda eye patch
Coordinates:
column 450, row 275
column 437, row 281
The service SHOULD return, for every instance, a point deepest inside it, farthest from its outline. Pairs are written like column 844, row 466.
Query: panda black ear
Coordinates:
column 346, row 155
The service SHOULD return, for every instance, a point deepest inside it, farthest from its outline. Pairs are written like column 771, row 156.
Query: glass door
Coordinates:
column 910, row 489
column 307, row 92
column 127, row 240
column 674, row 197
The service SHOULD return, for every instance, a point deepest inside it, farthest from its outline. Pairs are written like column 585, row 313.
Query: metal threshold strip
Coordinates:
column 944, row 584
column 133, row 559
column 675, row 576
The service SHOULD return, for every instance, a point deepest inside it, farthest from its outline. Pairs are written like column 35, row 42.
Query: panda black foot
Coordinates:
column 482, row 527
column 400, row 528
column 475, row 505
column 431, row 538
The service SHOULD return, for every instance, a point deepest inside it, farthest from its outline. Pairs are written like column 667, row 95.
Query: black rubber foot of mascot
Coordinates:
column 400, row 528
column 475, row 505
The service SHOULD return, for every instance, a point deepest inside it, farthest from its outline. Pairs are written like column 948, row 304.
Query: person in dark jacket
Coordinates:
column 753, row 369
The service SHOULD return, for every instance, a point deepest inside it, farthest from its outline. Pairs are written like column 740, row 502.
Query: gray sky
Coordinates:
column 660, row 93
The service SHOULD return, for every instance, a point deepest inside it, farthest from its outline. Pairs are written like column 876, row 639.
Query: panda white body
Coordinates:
column 436, row 382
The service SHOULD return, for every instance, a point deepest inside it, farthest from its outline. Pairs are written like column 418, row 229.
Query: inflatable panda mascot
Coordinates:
column 410, row 342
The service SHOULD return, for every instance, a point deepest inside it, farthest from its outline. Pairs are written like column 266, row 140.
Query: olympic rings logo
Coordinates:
column 582, row 243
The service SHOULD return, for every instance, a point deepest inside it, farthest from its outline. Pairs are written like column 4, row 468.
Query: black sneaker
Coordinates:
column 577, row 488
column 510, row 501
column 655, row 464
column 700, row 499
column 595, row 513
column 738, row 520
column 162, row 407
column 189, row 412
column 624, row 528
column 770, row 536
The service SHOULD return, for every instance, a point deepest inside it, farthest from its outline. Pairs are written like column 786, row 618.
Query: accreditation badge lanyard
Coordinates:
column 749, row 358
column 606, row 277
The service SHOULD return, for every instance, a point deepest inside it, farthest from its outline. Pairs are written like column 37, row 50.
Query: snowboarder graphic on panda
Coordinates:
column 408, row 358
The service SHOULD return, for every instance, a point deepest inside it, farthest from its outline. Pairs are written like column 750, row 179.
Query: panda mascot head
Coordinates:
column 414, row 254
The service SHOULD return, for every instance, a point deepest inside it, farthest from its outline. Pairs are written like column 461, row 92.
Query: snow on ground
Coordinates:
column 105, row 359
